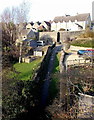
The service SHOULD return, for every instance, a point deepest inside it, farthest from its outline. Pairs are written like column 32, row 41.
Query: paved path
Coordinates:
column 47, row 78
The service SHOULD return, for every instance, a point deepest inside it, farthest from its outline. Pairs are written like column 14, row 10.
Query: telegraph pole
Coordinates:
column 20, row 52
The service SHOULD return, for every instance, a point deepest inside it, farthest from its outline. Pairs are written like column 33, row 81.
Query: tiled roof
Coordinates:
column 24, row 32
column 32, row 23
column 48, row 23
column 78, row 17
column 41, row 27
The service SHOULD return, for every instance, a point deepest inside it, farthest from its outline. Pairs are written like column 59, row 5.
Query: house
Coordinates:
column 29, row 25
column 92, row 25
column 71, row 23
column 21, row 26
column 36, row 25
column 93, row 11
column 47, row 25
column 25, row 34
column 38, row 52
column 41, row 28
column 31, row 43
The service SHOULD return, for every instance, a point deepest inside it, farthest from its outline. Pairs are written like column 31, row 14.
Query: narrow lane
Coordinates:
column 47, row 78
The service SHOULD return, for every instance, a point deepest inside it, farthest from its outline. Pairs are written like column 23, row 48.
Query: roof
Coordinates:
column 24, row 32
column 22, row 25
column 28, row 33
column 38, row 23
column 79, row 25
column 32, row 23
column 48, row 23
column 41, row 27
column 78, row 17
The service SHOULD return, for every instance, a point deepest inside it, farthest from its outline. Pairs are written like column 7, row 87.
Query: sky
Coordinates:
column 41, row 10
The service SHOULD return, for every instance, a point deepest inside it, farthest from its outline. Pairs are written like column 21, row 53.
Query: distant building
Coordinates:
column 36, row 25
column 47, row 25
column 93, row 11
column 29, row 25
column 71, row 23
column 25, row 34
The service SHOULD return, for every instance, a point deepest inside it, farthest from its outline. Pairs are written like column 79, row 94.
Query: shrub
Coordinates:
column 83, row 42
column 88, row 33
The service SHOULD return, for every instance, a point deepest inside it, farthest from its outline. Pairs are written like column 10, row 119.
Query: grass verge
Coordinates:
column 83, row 43
column 24, row 71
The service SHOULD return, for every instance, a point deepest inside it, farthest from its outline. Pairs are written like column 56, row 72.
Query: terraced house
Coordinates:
column 71, row 23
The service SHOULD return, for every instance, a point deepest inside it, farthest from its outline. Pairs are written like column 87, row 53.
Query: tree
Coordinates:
column 9, row 35
column 22, row 12
column 10, row 32
column 16, row 14
column 8, row 15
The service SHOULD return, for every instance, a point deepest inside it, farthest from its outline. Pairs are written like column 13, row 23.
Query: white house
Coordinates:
column 93, row 11
column 36, row 25
column 71, row 23
column 29, row 25
column 47, row 25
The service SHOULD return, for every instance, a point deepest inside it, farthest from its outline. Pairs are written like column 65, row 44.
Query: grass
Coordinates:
column 83, row 43
column 24, row 71
column 56, row 64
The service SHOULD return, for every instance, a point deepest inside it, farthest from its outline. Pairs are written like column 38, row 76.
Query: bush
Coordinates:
column 83, row 42
column 88, row 33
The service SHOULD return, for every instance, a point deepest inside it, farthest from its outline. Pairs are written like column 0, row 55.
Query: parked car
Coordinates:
column 81, row 52
column 40, row 43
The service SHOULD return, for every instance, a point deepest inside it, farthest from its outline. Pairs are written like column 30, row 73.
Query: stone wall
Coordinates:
column 86, row 106
column 70, row 34
column 48, row 36
column 53, row 36
column 41, row 73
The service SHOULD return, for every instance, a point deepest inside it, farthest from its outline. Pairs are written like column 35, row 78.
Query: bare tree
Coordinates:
column 6, row 15
column 18, row 14
column 22, row 12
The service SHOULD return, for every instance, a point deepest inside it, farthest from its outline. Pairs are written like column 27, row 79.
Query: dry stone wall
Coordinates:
column 54, row 35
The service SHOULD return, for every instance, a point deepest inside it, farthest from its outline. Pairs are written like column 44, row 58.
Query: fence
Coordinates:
column 78, row 62
column 85, row 107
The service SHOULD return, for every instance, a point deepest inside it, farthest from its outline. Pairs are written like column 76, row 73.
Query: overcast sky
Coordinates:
column 48, row 9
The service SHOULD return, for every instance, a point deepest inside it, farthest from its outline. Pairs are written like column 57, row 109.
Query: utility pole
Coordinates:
column 20, row 52
column 20, row 48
